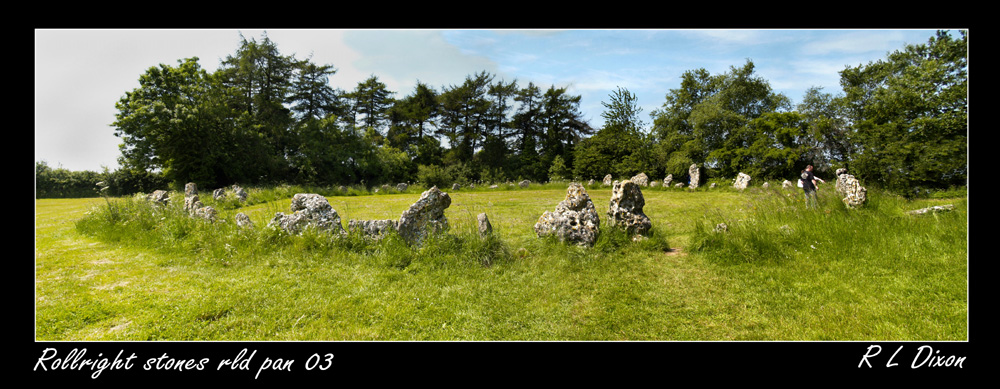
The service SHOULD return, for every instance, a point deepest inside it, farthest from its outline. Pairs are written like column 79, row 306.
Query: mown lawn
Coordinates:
column 164, row 279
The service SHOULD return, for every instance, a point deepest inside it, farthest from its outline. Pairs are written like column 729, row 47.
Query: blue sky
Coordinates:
column 80, row 74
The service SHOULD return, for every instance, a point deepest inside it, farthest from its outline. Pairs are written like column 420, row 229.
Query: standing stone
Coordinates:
column 375, row 229
column 401, row 186
column 640, row 179
column 711, row 186
column 219, row 194
column 426, row 216
column 190, row 189
column 678, row 185
column 485, row 228
column 766, row 185
column 741, row 181
column 159, row 197
column 667, row 179
column 308, row 210
column 243, row 221
column 240, row 193
column 524, row 184
column 590, row 183
column 575, row 219
column 840, row 186
column 695, row 174
column 207, row 213
column 607, row 180
column 455, row 186
column 625, row 211
column 654, row 184
column 855, row 194
column 787, row 185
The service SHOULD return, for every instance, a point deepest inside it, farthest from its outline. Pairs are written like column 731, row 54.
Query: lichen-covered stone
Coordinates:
column 219, row 194
column 840, row 186
column 308, row 210
column 524, row 184
column 640, row 179
column 934, row 209
column 376, row 229
column 483, row 222
column 192, row 203
column 424, row 217
column 455, row 186
column 625, row 210
column 243, row 221
column 401, row 186
column 741, row 182
column 695, row 175
column 607, row 180
column 240, row 193
column 190, row 189
column 207, row 213
column 679, row 185
column 667, row 179
column 855, row 195
column 575, row 219
column 160, row 197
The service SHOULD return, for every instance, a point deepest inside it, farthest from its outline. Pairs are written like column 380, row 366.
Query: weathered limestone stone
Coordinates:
column 342, row 188
column 934, row 209
column 787, row 185
column 190, row 189
column 741, row 181
column 455, row 186
column 426, row 216
column 607, row 180
column 840, row 186
column 401, row 186
column 695, row 174
column 711, row 186
column 207, row 213
column 625, row 211
column 483, row 222
column 654, row 184
column 219, row 194
column 766, row 185
column 375, row 229
column 678, row 185
column 721, row 227
column 192, row 203
column 243, row 221
column 240, row 193
column 159, row 197
column 640, row 179
column 590, row 182
column 855, row 194
column 575, row 219
column 667, row 179
column 494, row 186
column 308, row 210
column 524, row 184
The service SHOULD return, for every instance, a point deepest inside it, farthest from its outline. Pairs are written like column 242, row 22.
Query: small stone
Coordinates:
column 401, row 186
column 308, row 210
column 243, row 221
column 483, row 222
column 455, row 186
column 375, row 229
column 160, row 197
column 640, row 179
column 524, row 184
column 575, row 219
column 219, row 194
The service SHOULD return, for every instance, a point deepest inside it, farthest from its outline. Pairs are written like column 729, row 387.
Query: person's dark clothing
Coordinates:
column 807, row 181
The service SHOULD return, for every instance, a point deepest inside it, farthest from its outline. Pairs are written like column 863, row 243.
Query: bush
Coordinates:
column 433, row 175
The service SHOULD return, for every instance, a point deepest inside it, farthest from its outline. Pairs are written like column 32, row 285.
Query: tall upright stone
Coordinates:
column 840, row 186
column 695, row 175
column 483, row 223
column 640, row 179
column 855, row 195
column 425, row 217
column 607, row 180
column 667, row 179
column 625, row 210
column 575, row 219
column 741, row 182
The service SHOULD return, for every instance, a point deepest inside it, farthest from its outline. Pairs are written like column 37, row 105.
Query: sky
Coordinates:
column 81, row 73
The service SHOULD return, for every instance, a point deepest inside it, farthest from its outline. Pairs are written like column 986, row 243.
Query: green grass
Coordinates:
column 130, row 271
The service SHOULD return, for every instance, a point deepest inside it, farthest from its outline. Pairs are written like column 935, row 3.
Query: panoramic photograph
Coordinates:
column 538, row 188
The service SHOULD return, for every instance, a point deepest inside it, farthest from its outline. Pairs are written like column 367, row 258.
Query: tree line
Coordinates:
column 265, row 118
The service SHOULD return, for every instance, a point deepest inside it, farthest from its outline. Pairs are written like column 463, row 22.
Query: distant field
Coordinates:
column 828, row 274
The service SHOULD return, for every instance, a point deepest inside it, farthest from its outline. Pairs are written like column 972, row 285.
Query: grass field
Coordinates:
column 120, row 271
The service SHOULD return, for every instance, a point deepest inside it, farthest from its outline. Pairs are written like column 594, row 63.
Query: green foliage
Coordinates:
column 910, row 115
column 434, row 175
